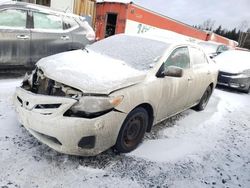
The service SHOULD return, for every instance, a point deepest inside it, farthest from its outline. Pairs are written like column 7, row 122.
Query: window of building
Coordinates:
column 39, row 2
column 110, row 24
column 43, row 2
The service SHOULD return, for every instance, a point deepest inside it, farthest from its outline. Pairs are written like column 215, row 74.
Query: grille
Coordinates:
column 227, row 73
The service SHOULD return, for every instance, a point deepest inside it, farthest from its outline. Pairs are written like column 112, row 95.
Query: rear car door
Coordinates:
column 174, row 95
column 200, row 78
column 48, row 36
column 14, row 38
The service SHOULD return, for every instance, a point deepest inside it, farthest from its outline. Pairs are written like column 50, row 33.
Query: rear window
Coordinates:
column 137, row 52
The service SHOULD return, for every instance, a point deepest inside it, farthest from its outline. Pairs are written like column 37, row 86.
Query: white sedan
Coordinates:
column 109, row 94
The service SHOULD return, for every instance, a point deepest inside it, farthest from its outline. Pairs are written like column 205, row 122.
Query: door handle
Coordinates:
column 190, row 79
column 22, row 37
column 65, row 37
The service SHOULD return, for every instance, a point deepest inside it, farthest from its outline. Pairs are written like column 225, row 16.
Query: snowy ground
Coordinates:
column 193, row 149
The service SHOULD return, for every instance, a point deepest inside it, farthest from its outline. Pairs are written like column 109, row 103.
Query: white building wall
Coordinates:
column 63, row 5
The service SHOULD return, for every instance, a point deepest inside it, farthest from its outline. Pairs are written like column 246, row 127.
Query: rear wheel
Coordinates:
column 204, row 100
column 132, row 131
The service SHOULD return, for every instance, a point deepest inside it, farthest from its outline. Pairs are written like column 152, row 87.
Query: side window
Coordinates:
column 198, row 56
column 47, row 21
column 13, row 18
column 179, row 58
column 69, row 22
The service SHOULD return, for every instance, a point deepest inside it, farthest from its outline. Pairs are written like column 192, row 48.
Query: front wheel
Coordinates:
column 132, row 130
column 204, row 100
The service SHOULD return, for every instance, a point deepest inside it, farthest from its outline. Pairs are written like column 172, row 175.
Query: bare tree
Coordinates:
column 207, row 25
column 244, row 33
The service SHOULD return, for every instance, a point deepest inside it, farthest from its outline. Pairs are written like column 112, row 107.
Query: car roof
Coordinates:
column 40, row 8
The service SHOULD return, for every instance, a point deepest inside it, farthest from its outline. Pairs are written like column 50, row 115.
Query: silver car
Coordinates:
column 234, row 69
column 212, row 48
column 30, row 32
column 109, row 94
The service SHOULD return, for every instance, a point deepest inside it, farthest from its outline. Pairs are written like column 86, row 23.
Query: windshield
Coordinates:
column 137, row 52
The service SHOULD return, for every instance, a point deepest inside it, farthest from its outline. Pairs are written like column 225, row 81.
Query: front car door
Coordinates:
column 48, row 36
column 174, row 95
column 14, row 38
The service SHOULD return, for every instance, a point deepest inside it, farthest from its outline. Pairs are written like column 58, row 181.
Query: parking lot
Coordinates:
column 193, row 149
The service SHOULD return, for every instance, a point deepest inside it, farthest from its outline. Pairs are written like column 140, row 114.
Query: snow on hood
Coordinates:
column 89, row 71
column 233, row 61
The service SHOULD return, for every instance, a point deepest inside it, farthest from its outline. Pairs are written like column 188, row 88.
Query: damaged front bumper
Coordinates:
column 43, row 116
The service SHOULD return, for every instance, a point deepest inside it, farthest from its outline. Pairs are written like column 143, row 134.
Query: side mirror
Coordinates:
column 173, row 71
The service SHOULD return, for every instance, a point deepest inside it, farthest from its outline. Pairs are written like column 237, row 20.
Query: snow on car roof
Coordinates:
column 137, row 51
column 233, row 61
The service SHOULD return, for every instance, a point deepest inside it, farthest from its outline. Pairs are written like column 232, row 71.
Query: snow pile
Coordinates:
column 233, row 61
column 185, row 139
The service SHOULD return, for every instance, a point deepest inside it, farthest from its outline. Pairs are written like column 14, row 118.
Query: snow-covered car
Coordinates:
column 110, row 93
column 234, row 69
column 212, row 48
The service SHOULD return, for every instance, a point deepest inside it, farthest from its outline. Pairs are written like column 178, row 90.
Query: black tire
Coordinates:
column 132, row 130
column 204, row 100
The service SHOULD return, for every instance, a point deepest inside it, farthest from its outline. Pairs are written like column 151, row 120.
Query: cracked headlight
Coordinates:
column 91, row 106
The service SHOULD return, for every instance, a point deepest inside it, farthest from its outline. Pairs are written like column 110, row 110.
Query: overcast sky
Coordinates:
column 228, row 13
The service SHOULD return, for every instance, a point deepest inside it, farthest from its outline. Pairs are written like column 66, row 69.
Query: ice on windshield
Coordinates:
column 137, row 52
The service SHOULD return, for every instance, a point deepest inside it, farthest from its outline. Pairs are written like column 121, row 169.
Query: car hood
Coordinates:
column 90, row 72
column 233, row 68
column 234, row 62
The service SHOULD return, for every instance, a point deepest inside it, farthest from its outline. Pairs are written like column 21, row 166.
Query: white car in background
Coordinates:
column 109, row 94
column 234, row 69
